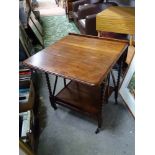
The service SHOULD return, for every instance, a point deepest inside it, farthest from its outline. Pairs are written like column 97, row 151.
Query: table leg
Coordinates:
column 100, row 110
column 118, row 78
column 51, row 97
column 108, row 86
column 55, row 84
column 103, row 88
column 113, row 78
column 65, row 82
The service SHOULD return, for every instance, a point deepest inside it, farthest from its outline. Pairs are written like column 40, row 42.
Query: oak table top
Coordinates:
column 80, row 58
column 116, row 19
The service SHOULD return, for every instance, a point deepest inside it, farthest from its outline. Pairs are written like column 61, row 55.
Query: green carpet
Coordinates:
column 56, row 27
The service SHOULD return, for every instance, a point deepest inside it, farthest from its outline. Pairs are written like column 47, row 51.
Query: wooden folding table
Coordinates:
column 87, row 61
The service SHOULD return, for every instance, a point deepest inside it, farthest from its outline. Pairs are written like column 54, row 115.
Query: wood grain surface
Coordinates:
column 116, row 19
column 80, row 58
column 80, row 96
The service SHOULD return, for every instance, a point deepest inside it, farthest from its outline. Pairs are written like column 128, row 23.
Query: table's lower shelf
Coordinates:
column 81, row 98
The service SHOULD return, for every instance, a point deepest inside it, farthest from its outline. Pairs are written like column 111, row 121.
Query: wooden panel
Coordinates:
column 80, row 96
column 84, row 59
column 117, row 19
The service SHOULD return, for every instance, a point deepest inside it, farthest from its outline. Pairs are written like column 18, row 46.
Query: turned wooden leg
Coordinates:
column 102, row 99
column 55, row 84
column 99, row 117
column 107, row 89
column 51, row 97
column 99, row 124
column 118, row 78
column 65, row 82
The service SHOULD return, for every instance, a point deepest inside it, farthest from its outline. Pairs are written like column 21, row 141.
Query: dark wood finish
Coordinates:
column 87, row 61
column 99, row 115
column 80, row 58
column 120, row 63
column 64, row 82
column 82, row 97
column 51, row 97
column 55, row 84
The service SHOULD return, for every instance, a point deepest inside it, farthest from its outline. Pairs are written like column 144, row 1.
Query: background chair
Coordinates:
column 80, row 3
column 85, row 17
column 84, row 2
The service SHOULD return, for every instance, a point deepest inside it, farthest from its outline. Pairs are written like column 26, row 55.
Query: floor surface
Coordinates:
column 64, row 132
